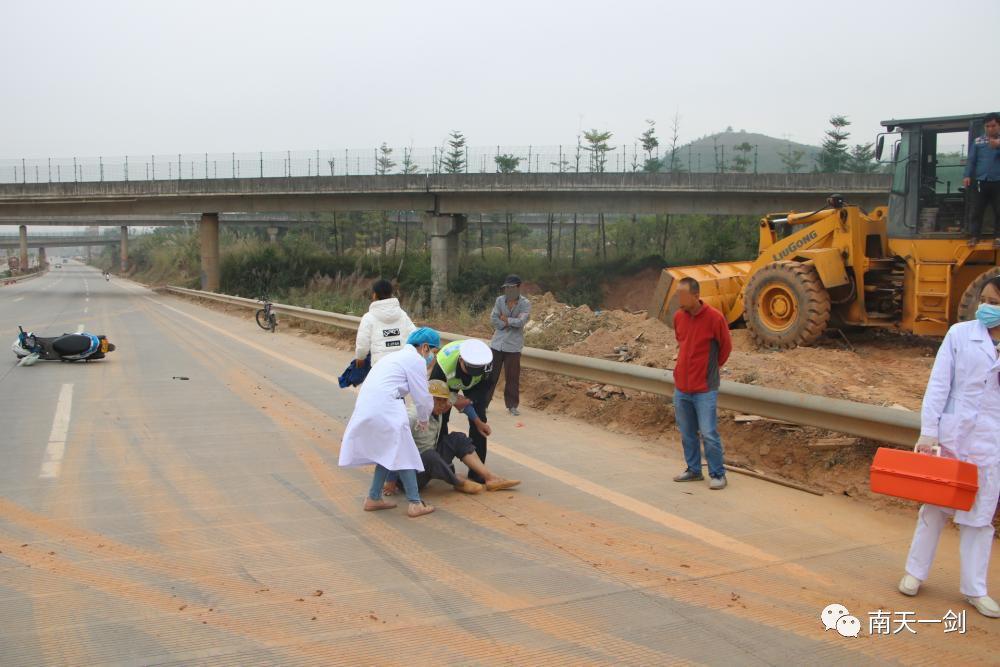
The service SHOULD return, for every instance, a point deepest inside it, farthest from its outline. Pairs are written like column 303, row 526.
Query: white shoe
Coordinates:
column 909, row 585
column 986, row 606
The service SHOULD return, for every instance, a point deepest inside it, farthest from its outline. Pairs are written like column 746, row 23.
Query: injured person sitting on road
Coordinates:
column 438, row 448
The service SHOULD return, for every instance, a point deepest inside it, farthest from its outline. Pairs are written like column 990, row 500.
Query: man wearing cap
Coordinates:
column 464, row 366
column 510, row 313
column 438, row 448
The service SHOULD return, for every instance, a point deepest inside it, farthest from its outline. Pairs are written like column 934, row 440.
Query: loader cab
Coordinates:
column 927, row 157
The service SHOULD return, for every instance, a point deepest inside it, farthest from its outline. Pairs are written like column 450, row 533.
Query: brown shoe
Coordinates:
column 375, row 505
column 468, row 486
column 419, row 509
column 501, row 484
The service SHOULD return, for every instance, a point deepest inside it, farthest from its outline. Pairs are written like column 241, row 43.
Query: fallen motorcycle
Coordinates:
column 82, row 346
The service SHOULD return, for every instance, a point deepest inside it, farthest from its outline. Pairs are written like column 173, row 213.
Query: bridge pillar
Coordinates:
column 23, row 233
column 272, row 234
column 123, row 251
column 208, row 231
column 444, row 231
column 42, row 259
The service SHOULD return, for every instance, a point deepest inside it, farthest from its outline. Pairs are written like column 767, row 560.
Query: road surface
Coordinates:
column 180, row 503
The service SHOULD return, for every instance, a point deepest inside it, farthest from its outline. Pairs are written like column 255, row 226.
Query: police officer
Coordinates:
column 465, row 366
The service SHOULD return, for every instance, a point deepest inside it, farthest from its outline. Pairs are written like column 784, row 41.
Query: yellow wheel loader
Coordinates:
column 910, row 266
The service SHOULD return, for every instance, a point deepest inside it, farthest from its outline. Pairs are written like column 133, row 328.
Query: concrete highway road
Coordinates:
column 179, row 503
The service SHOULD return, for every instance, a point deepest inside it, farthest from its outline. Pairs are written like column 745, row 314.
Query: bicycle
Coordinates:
column 266, row 318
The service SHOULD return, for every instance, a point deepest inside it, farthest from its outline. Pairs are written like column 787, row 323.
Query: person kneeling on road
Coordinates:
column 438, row 448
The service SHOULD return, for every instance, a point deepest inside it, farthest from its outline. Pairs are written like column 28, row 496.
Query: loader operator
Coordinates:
column 982, row 178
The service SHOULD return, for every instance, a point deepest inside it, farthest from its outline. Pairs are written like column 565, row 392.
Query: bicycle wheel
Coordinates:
column 262, row 320
column 273, row 322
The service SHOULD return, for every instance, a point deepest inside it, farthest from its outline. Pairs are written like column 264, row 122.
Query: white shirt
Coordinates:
column 379, row 429
column 383, row 330
column 961, row 406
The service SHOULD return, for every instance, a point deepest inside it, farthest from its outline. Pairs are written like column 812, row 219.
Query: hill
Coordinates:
column 717, row 152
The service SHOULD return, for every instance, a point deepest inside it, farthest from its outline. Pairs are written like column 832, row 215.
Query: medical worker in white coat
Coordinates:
column 379, row 429
column 961, row 414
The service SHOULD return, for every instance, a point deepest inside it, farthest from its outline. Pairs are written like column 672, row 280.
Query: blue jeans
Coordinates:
column 696, row 413
column 407, row 477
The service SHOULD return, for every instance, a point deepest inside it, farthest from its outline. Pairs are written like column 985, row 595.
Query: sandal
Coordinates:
column 375, row 505
column 419, row 509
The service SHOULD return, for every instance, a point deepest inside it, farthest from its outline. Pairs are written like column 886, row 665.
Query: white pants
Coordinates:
column 975, row 543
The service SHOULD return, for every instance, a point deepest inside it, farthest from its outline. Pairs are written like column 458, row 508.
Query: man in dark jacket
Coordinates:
column 703, row 335
column 982, row 178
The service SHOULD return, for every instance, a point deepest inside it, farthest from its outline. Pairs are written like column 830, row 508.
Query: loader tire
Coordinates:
column 786, row 305
column 969, row 302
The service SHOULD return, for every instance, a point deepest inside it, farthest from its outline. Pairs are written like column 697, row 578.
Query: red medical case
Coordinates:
column 924, row 478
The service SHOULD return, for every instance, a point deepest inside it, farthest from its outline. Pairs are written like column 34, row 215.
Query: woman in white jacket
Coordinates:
column 961, row 414
column 379, row 429
column 383, row 328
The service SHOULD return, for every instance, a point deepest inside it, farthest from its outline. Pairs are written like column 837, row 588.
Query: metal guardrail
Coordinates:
column 888, row 425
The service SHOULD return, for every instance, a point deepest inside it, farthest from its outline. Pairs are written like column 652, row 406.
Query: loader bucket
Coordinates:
column 721, row 285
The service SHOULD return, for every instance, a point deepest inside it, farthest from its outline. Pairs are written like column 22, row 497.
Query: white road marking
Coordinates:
column 88, row 299
column 86, row 310
column 57, row 437
column 79, row 328
column 20, row 298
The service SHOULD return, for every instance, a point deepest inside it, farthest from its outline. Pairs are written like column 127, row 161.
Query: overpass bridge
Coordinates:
column 59, row 240
column 445, row 200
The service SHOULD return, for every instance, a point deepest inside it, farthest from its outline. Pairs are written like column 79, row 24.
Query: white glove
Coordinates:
column 927, row 445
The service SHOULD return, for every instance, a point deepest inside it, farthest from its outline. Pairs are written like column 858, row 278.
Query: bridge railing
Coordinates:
column 372, row 161
column 889, row 425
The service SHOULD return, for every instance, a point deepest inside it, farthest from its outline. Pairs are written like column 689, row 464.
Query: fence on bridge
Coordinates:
column 365, row 162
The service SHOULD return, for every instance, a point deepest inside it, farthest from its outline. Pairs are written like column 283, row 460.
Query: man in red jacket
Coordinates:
column 705, row 344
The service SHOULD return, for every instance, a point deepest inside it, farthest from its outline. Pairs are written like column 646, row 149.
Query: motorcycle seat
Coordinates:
column 70, row 344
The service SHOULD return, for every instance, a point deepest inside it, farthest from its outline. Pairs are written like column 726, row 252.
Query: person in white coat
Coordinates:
column 961, row 416
column 379, row 429
column 384, row 328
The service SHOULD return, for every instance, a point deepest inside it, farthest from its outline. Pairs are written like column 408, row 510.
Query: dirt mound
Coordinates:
column 631, row 293
column 553, row 325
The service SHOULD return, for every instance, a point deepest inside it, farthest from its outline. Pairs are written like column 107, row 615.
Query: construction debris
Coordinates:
column 606, row 391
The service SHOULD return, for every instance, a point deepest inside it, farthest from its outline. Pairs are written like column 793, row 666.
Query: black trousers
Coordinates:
column 981, row 195
column 480, row 397
column 438, row 461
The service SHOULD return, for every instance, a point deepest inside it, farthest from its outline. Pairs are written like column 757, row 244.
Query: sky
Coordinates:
column 115, row 78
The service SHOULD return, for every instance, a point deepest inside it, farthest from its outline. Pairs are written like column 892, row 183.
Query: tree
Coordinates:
column 454, row 160
column 598, row 148
column 741, row 157
column 791, row 159
column 650, row 144
column 384, row 162
column 862, row 159
column 507, row 163
column 674, row 164
column 408, row 166
column 833, row 157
